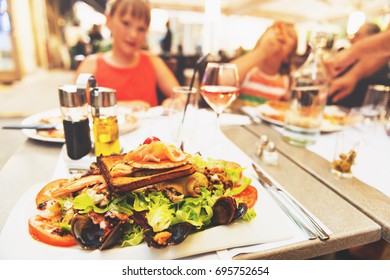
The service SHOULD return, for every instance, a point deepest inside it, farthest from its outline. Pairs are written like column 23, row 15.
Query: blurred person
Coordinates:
column 135, row 74
column 264, row 71
column 77, row 41
column 166, row 42
column 354, row 69
column 377, row 45
column 222, row 56
column 366, row 30
column 95, row 38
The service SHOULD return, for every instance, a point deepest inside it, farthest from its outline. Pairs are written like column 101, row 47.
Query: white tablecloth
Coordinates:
column 373, row 155
column 373, row 159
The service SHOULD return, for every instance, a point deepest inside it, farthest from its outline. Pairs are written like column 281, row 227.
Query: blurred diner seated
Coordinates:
column 264, row 71
column 77, row 41
column 95, row 38
column 136, row 74
column 349, row 85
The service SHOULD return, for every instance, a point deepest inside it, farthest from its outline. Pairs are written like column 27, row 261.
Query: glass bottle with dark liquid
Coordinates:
column 77, row 138
column 74, row 108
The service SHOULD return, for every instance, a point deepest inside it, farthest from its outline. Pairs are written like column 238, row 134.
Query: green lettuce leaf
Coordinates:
column 133, row 235
column 84, row 203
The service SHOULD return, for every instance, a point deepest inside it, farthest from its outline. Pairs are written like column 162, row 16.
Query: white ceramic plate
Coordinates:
column 270, row 225
column 53, row 115
column 328, row 125
column 127, row 122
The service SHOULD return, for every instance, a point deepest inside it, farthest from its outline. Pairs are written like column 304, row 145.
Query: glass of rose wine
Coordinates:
column 220, row 87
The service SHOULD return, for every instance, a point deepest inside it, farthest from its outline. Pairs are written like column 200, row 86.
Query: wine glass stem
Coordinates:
column 216, row 129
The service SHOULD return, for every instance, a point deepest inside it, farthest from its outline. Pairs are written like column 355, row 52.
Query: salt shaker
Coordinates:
column 261, row 144
column 105, row 122
column 270, row 155
column 74, row 109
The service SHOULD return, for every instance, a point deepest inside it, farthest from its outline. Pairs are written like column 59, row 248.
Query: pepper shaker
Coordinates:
column 270, row 155
column 261, row 144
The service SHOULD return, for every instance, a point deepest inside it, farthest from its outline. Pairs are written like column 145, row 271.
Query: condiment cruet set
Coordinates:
column 77, row 112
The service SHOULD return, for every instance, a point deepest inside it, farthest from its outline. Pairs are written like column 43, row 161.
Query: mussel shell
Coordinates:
column 90, row 236
column 242, row 208
column 179, row 232
column 86, row 233
column 113, row 237
column 223, row 211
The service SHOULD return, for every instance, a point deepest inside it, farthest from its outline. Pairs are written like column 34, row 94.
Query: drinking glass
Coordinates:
column 220, row 87
column 183, row 126
column 375, row 103
column 345, row 153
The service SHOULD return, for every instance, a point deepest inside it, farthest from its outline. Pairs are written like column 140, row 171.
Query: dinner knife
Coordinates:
column 288, row 202
column 43, row 126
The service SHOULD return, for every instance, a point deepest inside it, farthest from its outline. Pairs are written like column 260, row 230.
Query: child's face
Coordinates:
column 281, row 38
column 128, row 33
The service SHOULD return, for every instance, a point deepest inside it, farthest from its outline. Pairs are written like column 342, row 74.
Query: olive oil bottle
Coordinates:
column 105, row 122
column 106, row 140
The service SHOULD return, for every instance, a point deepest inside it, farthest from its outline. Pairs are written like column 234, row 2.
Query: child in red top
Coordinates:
column 133, row 73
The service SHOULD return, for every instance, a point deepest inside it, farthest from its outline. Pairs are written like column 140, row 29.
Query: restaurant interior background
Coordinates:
column 32, row 31
column 32, row 36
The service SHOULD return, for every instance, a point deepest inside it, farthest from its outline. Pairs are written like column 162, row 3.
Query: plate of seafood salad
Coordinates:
column 155, row 194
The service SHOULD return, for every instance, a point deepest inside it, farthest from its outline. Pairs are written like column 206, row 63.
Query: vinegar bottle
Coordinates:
column 105, row 122
column 74, row 108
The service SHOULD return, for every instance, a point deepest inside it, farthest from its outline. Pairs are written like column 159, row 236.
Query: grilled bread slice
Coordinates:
column 122, row 176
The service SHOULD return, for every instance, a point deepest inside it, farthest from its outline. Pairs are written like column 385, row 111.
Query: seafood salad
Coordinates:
column 155, row 193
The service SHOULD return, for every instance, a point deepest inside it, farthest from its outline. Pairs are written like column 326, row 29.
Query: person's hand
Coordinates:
column 342, row 86
column 339, row 62
column 271, row 42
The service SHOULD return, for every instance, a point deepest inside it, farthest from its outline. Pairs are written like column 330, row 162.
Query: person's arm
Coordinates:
column 378, row 45
column 246, row 62
column 166, row 80
column 345, row 84
column 375, row 46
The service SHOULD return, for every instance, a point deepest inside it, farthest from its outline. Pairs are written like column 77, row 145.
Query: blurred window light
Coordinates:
column 356, row 19
column 159, row 18
column 5, row 25
column 87, row 15
column 212, row 9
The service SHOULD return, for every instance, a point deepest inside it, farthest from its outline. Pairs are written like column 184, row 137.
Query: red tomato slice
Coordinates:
column 248, row 196
column 151, row 139
column 44, row 231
